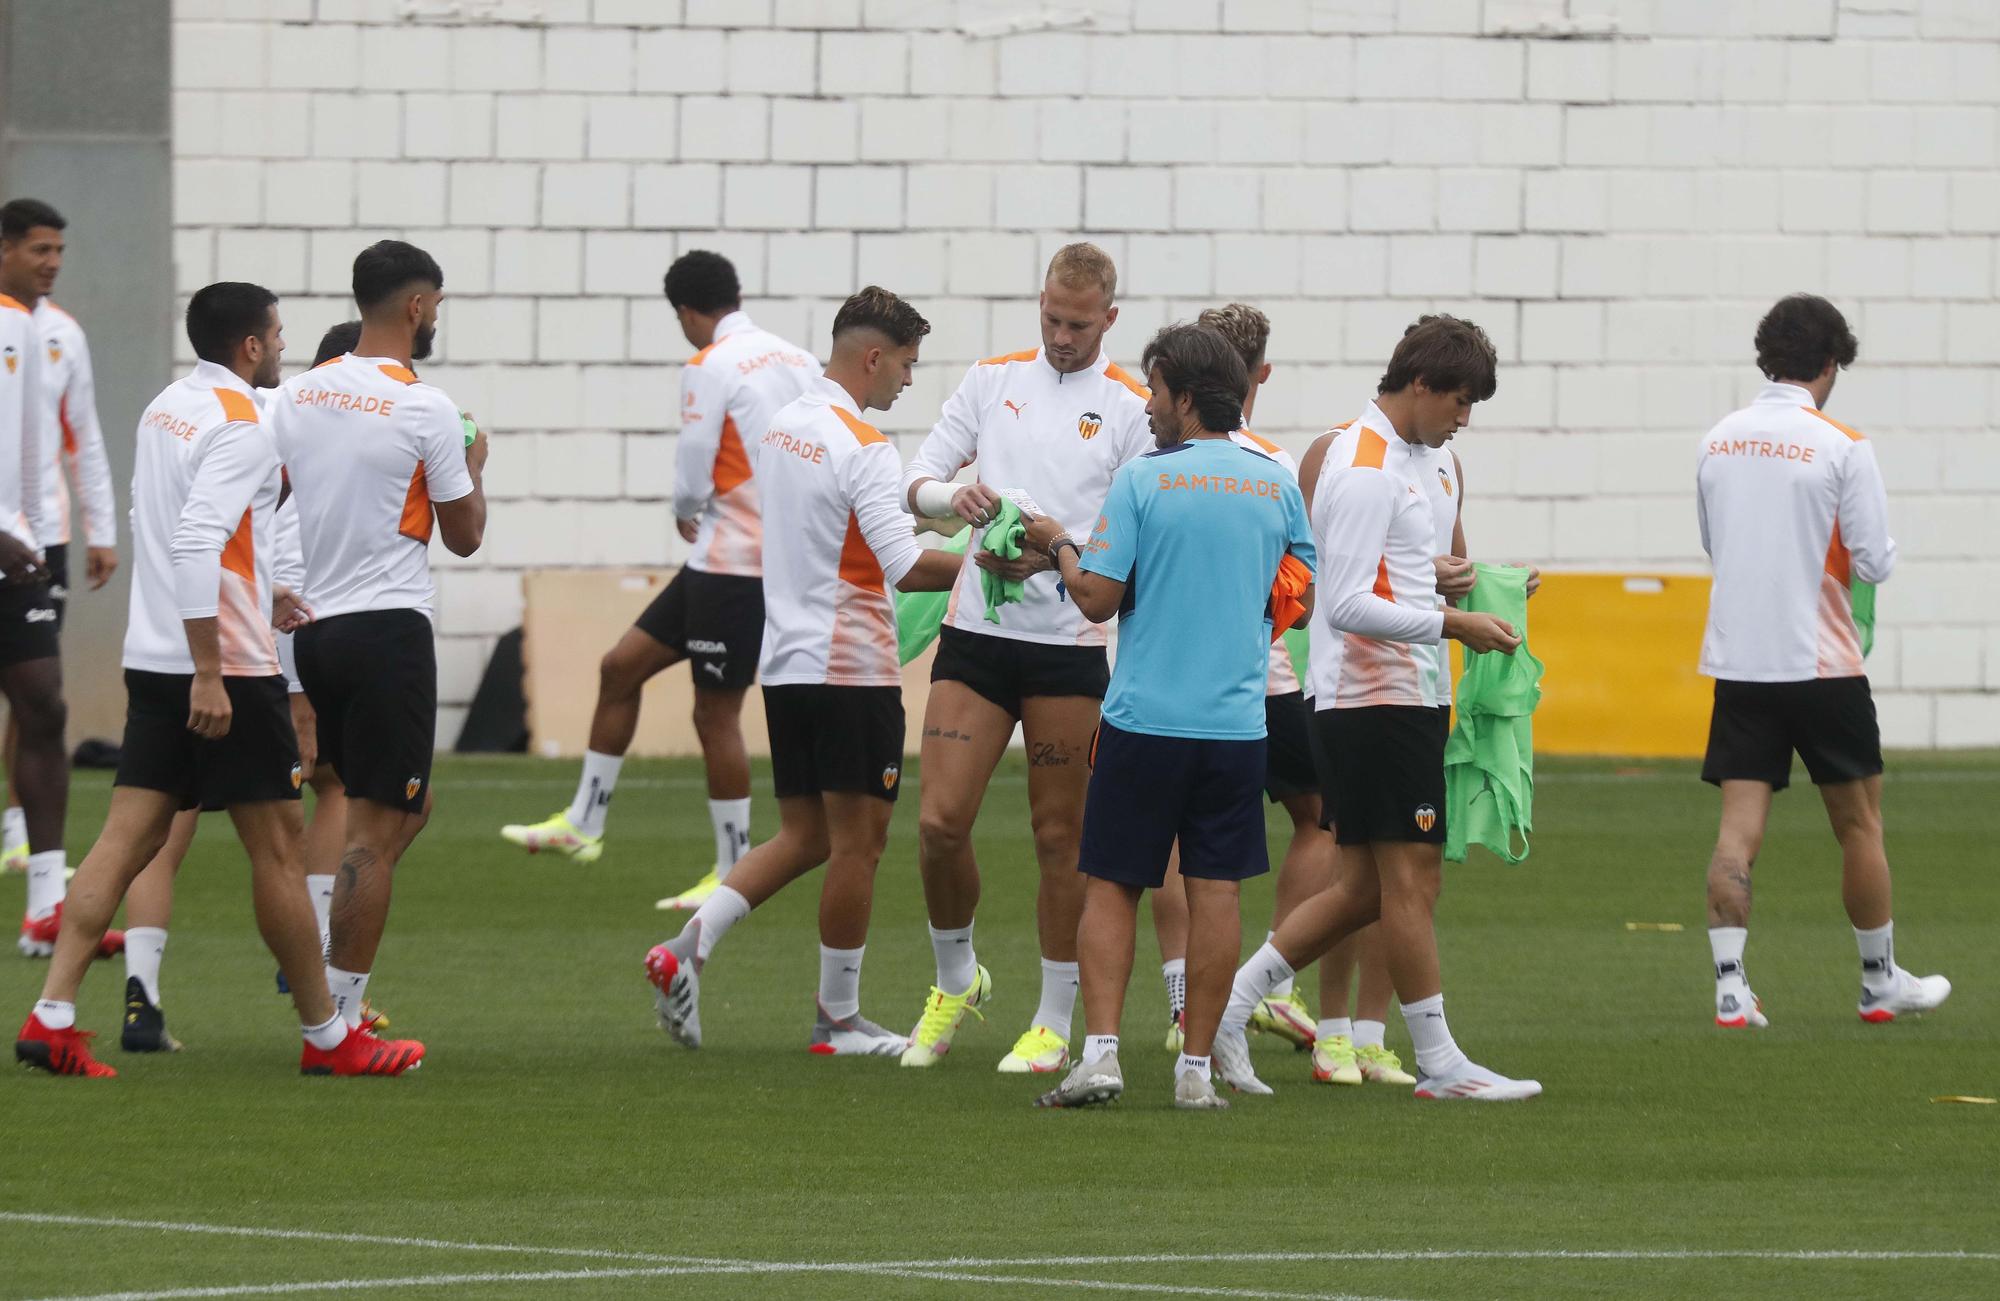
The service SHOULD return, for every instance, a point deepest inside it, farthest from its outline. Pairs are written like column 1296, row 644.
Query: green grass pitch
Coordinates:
column 556, row 1145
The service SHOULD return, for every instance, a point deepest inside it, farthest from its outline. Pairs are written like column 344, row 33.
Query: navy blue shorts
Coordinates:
column 1148, row 791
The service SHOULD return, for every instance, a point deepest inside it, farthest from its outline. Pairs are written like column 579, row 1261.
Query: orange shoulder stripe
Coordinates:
column 331, row 361
column 1369, row 450
column 864, row 433
column 1004, row 358
column 401, row 374
column 236, row 406
column 1854, row 434
column 1262, row 442
column 697, row 358
column 5, row 301
column 1117, row 372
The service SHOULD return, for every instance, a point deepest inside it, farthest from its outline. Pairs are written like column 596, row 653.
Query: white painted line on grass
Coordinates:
column 1393, row 1257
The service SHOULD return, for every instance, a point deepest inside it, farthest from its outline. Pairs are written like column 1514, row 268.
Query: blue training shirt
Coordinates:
column 1196, row 533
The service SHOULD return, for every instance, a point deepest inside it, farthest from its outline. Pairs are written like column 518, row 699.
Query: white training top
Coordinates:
column 1378, row 619
column 1057, row 437
column 832, row 479
column 729, row 392
column 368, row 447
column 205, row 480
column 1792, row 508
column 69, row 394
column 1283, row 679
column 24, row 438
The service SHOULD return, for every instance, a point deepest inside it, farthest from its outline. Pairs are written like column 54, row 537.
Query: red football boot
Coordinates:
column 59, row 1052
column 361, row 1053
column 38, row 937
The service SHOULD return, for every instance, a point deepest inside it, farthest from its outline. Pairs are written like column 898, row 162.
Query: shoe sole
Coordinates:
column 1206, row 1104
column 1478, row 1097
column 1096, row 1096
column 1328, row 1078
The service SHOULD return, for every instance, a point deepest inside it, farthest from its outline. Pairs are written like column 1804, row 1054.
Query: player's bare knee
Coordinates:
column 619, row 674
column 941, row 837
column 1056, row 839
column 41, row 716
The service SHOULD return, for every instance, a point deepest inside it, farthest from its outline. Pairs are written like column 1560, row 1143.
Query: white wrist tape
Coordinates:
column 933, row 498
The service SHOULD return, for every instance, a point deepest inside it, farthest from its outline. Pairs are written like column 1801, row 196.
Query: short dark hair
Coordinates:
column 338, row 341
column 704, row 282
column 19, row 216
column 389, row 265
column 1197, row 360
column 1448, row 354
column 222, row 315
column 875, row 308
column 1800, row 335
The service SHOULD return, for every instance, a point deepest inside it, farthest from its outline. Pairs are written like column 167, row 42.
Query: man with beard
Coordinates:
column 206, row 721
column 377, row 462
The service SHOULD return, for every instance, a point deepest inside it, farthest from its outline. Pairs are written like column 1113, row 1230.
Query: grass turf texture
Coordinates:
column 552, row 1112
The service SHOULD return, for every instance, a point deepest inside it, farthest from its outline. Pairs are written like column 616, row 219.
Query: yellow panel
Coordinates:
column 1620, row 652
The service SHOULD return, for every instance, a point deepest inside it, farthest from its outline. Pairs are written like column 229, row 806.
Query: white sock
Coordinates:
column 55, row 1015
column 1878, row 955
column 326, row 1036
column 1059, row 982
column 13, row 830
column 347, row 988
column 144, row 947
column 1283, row 989
column 1098, row 1045
column 712, row 921
column 957, row 964
column 1334, row 1027
column 46, row 883
column 1174, row 972
column 1254, row 980
column 840, row 982
column 1437, row 1052
column 1189, row 1062
column 593, row 791
column 731, row 821
column 320, row 887
column 1726, row 943
column 1369, row 1034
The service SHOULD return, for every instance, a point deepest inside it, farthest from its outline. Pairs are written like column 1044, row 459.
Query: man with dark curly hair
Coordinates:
column 1792, row 511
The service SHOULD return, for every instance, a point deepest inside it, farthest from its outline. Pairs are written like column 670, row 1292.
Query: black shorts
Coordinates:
column 847, row 739
column 1756, row 726
column 1148, row 791
column 1007, row 670
column 1288, row 760
column 258, row 760
column 30, row 617
column 55, row 559
column 1382, row 772
column 716, row 620
column 372, row 679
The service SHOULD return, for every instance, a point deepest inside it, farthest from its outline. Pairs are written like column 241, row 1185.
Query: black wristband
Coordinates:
column 1061, row 542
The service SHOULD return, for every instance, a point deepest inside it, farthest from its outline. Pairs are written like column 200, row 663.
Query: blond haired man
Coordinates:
column 1051, row 425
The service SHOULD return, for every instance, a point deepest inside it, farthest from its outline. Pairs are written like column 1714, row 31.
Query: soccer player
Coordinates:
column 832, row 685
column 149, row 900
column 1377, row 662
column 206, row 723
column 1055, row 423
column 31, row 256
column 377, row 462
column 1187, row 552
column 1289, row 779
column 712, row 614
column 1792, row 510
column 30, row 672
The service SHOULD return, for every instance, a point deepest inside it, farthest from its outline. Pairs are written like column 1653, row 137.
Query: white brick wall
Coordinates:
column 1615, row 209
